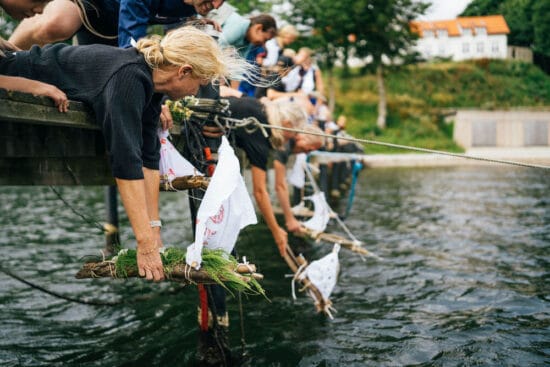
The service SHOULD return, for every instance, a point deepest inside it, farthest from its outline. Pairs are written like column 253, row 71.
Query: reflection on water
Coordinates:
column 463, row 281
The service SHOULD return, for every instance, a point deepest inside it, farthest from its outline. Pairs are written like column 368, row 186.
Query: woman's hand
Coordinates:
column 150, row 264
column 293, row 225
column 166, row 120
column 281, row 240
column 57, row 95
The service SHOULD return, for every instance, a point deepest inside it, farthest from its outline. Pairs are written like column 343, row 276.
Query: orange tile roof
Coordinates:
column 495, row 24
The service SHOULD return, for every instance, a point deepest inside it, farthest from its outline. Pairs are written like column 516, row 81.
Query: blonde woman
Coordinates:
column 306, row 141
column 124, row 88
column 258, row 148
column 275, row 46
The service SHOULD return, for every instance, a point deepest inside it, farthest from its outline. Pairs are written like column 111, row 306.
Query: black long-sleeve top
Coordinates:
column 116, row 83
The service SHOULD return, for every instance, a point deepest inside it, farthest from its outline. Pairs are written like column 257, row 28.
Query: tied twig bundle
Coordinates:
column 184, row 183
column 296, row 264
column 217, row 268
column 351, row 245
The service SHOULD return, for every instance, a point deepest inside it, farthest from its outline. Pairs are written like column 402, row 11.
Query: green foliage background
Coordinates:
column 528, row 20
column 420, row 95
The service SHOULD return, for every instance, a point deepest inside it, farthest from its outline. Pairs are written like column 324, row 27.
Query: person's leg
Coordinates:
column 59, row 21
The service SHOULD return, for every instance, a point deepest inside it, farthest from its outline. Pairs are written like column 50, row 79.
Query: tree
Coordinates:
column 7, row 25
column 379, row 28
column 541, row 22
column 528, row 20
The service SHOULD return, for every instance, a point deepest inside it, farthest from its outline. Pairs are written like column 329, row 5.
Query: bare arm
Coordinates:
column 281, row 188
column 319, row 85
column 36, row 88
column 59, row 21
column 152, row 181
column 264, row 203
column 134, row 197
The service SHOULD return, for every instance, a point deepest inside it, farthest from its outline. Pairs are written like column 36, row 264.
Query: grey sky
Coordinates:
column 445, row 9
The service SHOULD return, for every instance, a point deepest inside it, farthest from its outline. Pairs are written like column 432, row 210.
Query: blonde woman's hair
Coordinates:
column 288, row 52
column 288, row 30
column 307, row 135
column 191, row 46
column 282, row 110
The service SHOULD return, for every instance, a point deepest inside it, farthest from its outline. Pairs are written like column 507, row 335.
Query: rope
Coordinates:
column 57, row 295
column 77, row 300
column 340, row 222
column 199, row 106
column 357, row 166
column 86, row 219
column 407, row 147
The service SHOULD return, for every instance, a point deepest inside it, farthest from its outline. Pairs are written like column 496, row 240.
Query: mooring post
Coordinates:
column 323, row 178
column 111, row 226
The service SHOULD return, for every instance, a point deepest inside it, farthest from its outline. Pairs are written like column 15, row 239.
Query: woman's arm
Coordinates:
column 264, row 203
column 319, row 85
column 19, row 84
column 281, row 188
column 59, row 21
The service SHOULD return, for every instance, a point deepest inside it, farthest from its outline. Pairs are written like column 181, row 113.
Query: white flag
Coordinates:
column 323, row 273
column 321, row 212
column 297, row 175
column 225, row 209
column 172, row 164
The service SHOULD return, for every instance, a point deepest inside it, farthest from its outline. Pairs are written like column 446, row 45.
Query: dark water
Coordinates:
column 464, row 281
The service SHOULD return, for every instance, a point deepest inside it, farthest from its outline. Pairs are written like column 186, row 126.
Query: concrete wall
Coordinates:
column 520, row 53
column 502, row 128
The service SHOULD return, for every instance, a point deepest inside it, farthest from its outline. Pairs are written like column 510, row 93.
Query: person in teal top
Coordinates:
column 244, row 33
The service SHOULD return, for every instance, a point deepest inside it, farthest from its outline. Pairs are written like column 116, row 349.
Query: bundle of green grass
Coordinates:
column 217, row 264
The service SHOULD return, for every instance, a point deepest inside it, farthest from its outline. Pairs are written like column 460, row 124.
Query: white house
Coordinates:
column 463, row 38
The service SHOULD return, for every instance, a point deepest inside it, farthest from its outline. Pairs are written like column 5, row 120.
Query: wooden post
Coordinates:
column 111, row 226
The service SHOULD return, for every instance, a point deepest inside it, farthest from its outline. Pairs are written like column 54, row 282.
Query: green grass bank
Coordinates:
column 419, row 95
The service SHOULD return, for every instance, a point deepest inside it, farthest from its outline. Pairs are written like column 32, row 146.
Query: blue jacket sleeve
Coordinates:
column 132, row 20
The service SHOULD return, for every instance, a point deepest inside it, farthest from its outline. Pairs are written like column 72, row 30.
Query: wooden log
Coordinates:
column 294, row 262
column 334, row 238
column 180, row 273
column 185, row 183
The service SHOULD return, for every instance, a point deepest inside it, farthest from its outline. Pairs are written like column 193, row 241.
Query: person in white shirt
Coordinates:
column 285, row 36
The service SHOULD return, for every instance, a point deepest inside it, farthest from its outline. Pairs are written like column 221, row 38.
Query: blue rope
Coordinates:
column 357, row 166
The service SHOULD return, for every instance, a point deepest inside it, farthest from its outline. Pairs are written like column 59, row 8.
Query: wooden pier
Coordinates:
column 41, row 146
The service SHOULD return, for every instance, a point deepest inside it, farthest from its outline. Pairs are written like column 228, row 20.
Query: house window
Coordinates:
column 480, row 47
column 481, row 31
column 465, row 47
column 494, row 47
column 467, row 32
column 441, row 50
column 428, row 34
column 441, row 33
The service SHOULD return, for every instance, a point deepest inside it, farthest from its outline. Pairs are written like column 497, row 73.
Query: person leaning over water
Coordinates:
column 302, row 143
column 19, row 9
column 113, row 22
column 124, row 88
column 257, row 148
